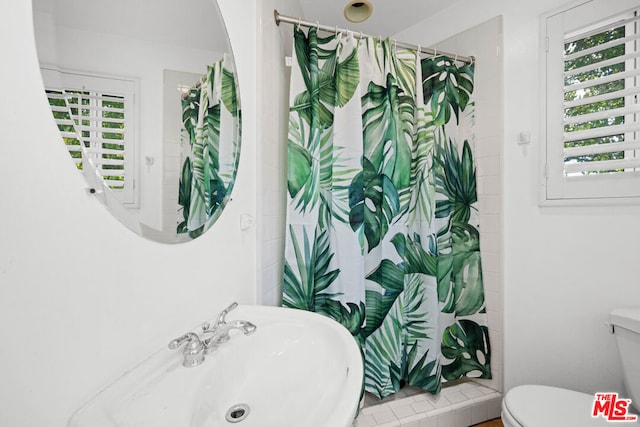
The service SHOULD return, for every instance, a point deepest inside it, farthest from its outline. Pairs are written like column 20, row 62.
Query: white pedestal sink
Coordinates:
column 299, row 369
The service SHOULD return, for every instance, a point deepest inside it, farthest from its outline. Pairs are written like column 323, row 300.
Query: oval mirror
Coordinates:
column 146, row 99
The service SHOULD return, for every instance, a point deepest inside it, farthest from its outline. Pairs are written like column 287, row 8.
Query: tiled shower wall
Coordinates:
column 274, row 43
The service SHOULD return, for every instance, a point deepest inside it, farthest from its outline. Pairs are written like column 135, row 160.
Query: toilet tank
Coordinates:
column 626, row 323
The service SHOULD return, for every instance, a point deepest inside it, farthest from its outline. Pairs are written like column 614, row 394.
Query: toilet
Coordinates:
column 544, row 406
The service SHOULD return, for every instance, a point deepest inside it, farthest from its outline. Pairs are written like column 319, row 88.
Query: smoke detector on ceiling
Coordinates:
column 358, row 10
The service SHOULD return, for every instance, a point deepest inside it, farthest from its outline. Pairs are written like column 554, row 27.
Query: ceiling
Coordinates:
column 196, row 23
column 389, row 17
column 193, row 23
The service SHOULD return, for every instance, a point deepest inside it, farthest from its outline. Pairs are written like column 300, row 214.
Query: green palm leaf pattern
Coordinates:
column 203, row 171
column 425, row 373
column 299, row 163
column 388, row 128
column 392, row 349
column 306, row 282
column 446, row 87
column 403, row 67
column 392, row 278
column 184, row 195
column 374, row 202
column 456, row 180
column 379, row 300
column 347, row 77
column 400, row 63
column 467, row 344
column 315, row 103
column 190, row 107
column 328, row 81
column 422, row 202
column 381, row 235
column 319, row 182
column 228, row 92
column 460, row 274
column 383, row 353
column 312, row 275
column 316, row 172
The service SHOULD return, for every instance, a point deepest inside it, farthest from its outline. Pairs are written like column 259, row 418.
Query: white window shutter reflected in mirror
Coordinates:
column 96, row 119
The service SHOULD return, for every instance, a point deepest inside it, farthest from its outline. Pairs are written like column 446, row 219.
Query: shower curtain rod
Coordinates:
column 291, row 20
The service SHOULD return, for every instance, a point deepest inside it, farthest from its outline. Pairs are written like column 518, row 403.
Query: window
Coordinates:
column 592, row 150
column 95, row 117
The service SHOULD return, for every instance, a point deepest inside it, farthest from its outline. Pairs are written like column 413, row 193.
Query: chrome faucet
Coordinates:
column 193, row 351
column 220, row 331
column 196, row 347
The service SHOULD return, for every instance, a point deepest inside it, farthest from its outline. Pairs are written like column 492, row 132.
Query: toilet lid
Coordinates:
column 543, row 406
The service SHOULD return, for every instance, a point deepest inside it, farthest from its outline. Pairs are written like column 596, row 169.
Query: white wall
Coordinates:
column 68, row 323
column 564, row 268
column 275, row 42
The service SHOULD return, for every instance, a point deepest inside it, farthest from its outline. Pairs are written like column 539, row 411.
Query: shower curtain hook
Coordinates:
column 418, row 51
column 435, row 53
column 298, row 24
column 317, row 26
column 360, row 38
column 336, row 31
column 395, row 45
column 455, row 59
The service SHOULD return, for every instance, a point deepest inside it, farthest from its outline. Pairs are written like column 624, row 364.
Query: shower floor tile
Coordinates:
column 460, row 405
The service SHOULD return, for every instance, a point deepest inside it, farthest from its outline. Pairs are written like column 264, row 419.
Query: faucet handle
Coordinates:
column 206, row 326
column 189, row 337
column 223, row 314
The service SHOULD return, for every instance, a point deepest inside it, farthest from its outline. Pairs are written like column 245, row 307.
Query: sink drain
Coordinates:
column 237, row 413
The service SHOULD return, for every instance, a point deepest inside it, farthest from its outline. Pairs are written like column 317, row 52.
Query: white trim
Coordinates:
column 556, row 189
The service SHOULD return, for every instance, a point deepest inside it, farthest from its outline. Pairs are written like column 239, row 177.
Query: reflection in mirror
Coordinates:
column 147, row 107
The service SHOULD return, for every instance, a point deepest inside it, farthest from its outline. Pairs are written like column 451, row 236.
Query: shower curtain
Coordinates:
column 382, row 230
column 208, row 112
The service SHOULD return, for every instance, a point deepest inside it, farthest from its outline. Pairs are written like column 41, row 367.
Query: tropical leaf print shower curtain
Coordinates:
column 209, row 110
column 382, row 231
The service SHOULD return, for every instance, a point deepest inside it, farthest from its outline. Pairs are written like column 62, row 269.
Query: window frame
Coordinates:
column 56, row 78
column 555, row 187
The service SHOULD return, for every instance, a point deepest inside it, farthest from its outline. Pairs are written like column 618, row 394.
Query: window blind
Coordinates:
column 62, row 117
column 95, row 117
column 601, row 110
column 95, row 120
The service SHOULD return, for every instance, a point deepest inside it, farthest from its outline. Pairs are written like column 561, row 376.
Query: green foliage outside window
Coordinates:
column 592, row 91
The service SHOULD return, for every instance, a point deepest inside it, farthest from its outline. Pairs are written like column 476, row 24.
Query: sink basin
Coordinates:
column 298, row 369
